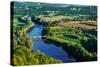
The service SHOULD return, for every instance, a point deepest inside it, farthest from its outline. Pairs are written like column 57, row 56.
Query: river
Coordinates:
column 48, row 49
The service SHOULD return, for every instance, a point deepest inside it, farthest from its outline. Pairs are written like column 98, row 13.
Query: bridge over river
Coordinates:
column 37, row 36
column 49, row 49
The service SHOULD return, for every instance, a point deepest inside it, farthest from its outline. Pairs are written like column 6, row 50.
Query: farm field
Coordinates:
column 44, row 33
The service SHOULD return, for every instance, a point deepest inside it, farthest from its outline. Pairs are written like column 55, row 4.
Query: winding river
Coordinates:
column 48, row 49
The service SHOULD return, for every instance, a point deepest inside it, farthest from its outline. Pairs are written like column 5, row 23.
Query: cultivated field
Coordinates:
column 83, row 26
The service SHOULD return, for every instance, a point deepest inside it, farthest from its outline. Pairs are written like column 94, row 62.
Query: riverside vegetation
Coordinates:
column 22, row 45
column 72, row 27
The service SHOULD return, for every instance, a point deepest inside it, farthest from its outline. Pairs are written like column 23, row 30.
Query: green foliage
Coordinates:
column 22, row 47
column 81, row 44
column 74, row 49
column 23, row 8
column 23, row 56
column 90, row 44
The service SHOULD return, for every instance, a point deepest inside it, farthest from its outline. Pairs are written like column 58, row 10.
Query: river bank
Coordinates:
column 74, row 49
column 48, row 49
column 21, row 48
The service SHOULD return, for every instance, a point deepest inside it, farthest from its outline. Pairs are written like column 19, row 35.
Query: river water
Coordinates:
column 48, row 49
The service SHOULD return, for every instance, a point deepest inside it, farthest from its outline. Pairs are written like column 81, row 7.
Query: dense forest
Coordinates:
column 72, row 27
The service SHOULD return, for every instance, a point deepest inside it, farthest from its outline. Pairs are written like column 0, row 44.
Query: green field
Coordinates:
column 72, row 27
